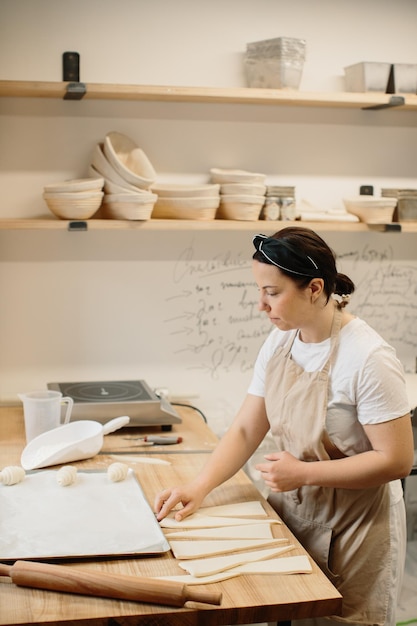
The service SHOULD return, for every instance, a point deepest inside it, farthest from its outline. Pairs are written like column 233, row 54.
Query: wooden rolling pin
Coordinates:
column 137, row 588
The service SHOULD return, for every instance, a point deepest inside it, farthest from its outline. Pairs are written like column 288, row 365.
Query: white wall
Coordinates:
column 70, row 317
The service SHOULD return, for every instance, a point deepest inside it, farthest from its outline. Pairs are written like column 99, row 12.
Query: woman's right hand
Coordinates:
column 168, row 499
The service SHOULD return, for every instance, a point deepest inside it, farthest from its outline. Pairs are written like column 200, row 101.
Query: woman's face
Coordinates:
column 286, row 305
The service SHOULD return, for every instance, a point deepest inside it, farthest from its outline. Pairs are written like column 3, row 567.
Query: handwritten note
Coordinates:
column 214, row 319
column 386, row 297
column 215, row 327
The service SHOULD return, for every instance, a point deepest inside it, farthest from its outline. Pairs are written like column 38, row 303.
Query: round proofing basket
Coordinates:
column 183, row 214
column 224, row 176
column 100, row 164
column 127, row 210
column 186, row 191
column 371, row 210
column 75, row 185
column 130, row 161
column 236, row 189
column 73, row 209
column 242, row 211
column 186, row 208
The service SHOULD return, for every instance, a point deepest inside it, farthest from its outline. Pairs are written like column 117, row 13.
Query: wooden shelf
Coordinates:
column 238, row 95
column 232, row 95
column 264, row 226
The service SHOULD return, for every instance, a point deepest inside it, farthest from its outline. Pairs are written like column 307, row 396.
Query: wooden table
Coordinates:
column 246, row 599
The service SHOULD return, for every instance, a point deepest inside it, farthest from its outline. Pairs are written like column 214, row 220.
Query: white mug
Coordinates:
column 42, row 411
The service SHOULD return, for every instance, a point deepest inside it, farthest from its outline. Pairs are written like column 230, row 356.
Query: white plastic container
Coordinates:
column 367, row 76
column 275, row 63
column 403, row 78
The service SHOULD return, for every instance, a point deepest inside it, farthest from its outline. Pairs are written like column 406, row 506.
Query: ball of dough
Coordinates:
column 66, row 476
column 117, row 472
column 12, row 475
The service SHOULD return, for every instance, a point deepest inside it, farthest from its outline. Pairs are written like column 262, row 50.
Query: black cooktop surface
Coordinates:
column 107, row 391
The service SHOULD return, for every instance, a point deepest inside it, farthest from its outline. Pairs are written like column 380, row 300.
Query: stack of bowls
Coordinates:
column 76, row 199
column 128, row 175
column 187, row 202
column 406, row 210
column 242, row 194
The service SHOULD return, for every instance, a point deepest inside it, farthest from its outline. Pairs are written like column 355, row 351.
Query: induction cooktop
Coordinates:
column 104, row 400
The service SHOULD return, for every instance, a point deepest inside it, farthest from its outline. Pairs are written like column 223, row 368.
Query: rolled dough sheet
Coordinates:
column 282, row 565
column 238, row 509
column 251, row 531
column 199, row 549
column 216, row 564
column 202, row 521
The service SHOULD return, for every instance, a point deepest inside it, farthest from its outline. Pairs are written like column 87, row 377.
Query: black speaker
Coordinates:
column 71, row 67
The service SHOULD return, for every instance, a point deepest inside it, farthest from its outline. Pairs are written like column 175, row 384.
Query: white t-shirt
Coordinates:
column 367, row 384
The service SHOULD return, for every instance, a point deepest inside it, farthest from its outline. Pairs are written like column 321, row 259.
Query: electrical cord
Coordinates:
column 190, row 406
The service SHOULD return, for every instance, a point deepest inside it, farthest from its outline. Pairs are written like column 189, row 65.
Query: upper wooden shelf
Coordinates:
column 242, row 95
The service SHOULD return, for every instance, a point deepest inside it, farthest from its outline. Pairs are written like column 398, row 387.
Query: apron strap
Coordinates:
column 334, row 332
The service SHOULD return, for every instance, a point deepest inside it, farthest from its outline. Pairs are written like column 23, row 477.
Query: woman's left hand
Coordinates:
column 283, row 472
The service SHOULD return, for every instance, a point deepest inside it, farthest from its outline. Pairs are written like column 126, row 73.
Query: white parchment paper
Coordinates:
column 93, row 517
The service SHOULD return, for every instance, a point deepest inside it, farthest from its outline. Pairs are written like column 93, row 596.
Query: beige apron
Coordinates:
column 346, row 531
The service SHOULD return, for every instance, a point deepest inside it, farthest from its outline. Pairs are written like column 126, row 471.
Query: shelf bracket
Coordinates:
column 75, row 91
column 392, row 227
column 394, row 101
column 77, row 226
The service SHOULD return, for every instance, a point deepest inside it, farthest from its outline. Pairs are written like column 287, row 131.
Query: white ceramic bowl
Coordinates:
column 186, row 191
column 128, row 160
column 77, row 184
column 74, row 206
column 223, row 176
column 251, row 189
column 370, row 209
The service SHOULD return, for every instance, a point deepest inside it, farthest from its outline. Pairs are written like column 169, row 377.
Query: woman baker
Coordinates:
column 332, row 394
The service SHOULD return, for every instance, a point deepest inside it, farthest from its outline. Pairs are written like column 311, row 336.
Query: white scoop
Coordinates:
column 72, row 442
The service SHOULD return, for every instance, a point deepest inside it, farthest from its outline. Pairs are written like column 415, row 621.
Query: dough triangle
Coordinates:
column 201, row 521
column 209, row 566
column 199, row 549
column 250, row 531
column 238, row 509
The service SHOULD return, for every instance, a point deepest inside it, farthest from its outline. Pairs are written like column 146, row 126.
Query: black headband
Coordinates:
column 284, row 255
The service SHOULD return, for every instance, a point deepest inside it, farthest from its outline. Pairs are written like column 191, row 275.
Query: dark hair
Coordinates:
column 302, row 242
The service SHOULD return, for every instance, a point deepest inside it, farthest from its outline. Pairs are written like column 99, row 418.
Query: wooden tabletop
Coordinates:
column 245, row 599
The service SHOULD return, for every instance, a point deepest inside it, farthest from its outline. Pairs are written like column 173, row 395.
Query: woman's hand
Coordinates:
column 283, row 472
column 168, row 499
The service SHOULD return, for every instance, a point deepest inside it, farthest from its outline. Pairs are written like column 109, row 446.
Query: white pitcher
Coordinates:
column 42, row 411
